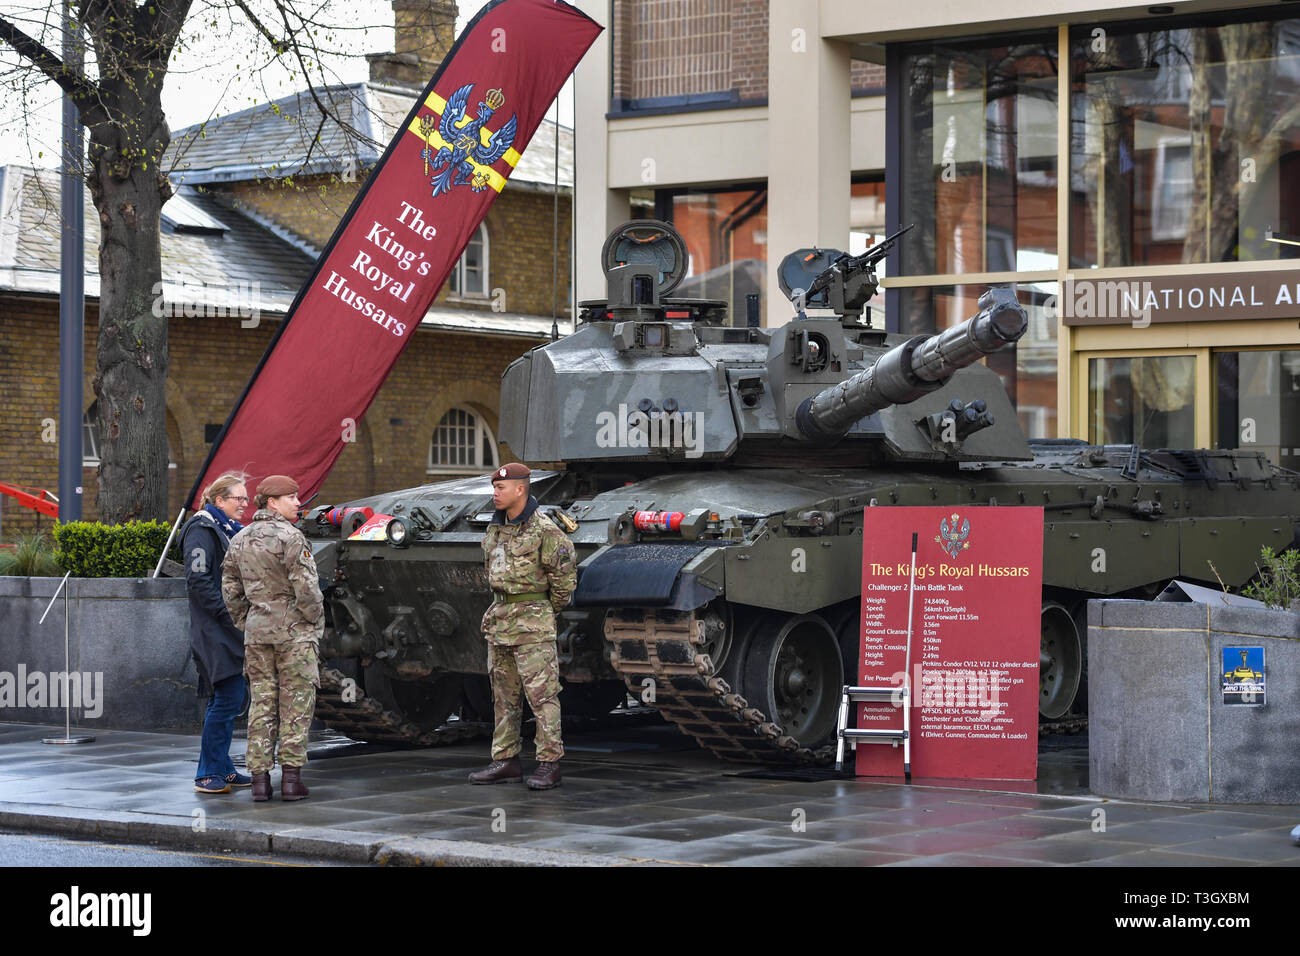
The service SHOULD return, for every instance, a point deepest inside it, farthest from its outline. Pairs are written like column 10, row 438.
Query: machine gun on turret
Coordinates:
column 830, row 279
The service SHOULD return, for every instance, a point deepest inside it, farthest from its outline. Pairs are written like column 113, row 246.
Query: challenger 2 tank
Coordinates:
column 713, row 479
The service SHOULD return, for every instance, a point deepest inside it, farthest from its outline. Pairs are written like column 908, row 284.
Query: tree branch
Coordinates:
column 83, row 92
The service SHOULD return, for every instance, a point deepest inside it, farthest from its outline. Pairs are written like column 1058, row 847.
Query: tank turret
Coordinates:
column 652, row 378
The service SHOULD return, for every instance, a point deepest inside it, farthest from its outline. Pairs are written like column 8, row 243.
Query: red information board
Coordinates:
column 975, row 606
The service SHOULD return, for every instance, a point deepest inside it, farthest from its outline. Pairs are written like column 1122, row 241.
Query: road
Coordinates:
column 36, row 849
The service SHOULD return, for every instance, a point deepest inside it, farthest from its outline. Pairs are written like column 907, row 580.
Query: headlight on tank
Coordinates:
column 396, row 533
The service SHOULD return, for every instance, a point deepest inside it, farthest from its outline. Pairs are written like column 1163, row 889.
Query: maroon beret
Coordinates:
column 514, row 470
column 276, row 486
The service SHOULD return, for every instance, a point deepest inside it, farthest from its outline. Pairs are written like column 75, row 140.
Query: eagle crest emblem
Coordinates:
column 953, row 536
column 464, row 155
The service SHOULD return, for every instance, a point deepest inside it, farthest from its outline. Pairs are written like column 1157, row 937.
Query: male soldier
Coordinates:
column 531, row 572
column 269, row 582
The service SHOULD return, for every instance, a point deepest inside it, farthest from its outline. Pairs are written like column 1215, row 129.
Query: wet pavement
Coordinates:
column 640, row 793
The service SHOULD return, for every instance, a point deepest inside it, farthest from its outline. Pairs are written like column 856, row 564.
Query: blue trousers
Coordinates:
column 219, row 726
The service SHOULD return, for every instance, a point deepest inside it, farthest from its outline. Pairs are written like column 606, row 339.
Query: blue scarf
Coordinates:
column 229, row 526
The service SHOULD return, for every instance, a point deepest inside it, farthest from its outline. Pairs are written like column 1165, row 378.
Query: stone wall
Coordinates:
column 1157, row 725
column 130, row 636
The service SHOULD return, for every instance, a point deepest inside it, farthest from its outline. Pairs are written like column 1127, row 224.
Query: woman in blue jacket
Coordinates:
column 217, row 644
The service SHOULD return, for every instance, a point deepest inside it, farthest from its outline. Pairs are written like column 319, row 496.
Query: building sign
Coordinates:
column 975, row 607
column 1203, row 297
column 1243, row 676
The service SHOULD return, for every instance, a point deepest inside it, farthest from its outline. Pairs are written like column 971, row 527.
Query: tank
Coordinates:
column 687, row 456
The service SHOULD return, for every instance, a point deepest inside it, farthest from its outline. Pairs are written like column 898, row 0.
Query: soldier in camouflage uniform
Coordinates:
column 270, row 585
column 532, row 574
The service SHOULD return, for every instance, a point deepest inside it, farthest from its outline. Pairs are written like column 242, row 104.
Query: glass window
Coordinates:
column 462, row 442
column 1258, row 403
column 726, row 238
column 469, row 276
column 979, row 156
column 1185, row 143
column 1147, row 400
column 1027, row 370
column 866, row 228
column 89, row 437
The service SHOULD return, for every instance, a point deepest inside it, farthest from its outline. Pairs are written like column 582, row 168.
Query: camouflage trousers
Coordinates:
column 282, row 682
column 532, row 671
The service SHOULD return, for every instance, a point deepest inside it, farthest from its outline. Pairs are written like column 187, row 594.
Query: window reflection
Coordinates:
column 979, row 147
column 1258, row 403
column 1147, row 400
column 1185, row 143
column 726, row 238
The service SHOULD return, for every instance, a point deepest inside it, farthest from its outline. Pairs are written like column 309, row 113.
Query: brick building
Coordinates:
column 257, row 200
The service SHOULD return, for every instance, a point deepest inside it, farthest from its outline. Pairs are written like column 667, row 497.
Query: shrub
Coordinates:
column 32, row 557
column 92, row 550
column 1279, row 581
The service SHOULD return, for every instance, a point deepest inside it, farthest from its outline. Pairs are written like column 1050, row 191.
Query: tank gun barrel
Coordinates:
column 914, row 368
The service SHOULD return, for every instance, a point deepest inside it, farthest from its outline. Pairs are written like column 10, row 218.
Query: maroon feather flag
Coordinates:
column 398, row 242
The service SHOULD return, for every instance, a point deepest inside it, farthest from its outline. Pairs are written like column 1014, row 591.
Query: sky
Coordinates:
column 202, row 83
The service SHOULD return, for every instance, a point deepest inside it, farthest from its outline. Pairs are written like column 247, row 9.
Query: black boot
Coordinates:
column 291, row 785
column 261, row 787
column 546, row 777
column 499, row 771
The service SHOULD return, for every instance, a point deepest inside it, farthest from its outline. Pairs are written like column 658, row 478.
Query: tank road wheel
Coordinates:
column 719, row 631
column 1060, row 664
column 425, row 703
column 793, row 674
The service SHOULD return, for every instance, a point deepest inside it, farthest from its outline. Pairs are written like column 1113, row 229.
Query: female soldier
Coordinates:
column 270, row 585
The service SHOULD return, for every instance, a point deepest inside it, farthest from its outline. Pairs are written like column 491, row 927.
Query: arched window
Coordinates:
column 89, row 438
column 469, row 278
column 462, row 442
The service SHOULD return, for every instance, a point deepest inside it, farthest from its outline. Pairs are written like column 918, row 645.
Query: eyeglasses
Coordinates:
column 242, row 499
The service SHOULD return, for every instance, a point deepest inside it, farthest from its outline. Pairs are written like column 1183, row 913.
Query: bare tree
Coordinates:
column 131, row 45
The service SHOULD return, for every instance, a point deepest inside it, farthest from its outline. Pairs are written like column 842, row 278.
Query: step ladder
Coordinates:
column 882, row 695
column 893, row 737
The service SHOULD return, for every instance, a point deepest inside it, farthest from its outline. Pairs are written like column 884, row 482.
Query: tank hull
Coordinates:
column 702, row 628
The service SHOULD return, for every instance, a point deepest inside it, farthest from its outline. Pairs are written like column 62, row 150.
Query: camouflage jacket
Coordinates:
column 527, row 556
column 269, row 583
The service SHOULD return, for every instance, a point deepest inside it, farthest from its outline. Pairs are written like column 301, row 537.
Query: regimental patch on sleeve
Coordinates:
column 306, row 553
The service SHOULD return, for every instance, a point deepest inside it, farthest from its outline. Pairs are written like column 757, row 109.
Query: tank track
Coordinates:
column 1069, row 724
column 664, row 646
column 364, row 718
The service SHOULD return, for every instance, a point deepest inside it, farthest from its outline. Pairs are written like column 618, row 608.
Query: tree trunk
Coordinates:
column 128, row 190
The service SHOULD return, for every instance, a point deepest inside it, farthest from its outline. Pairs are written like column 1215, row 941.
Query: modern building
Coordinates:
column 1135, row 169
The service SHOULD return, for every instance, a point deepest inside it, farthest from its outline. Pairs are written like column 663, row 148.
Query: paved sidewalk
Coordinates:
column 642, row 796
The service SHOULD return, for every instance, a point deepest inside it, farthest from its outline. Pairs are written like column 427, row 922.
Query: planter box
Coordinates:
column 1158, row 728
column 131, row 636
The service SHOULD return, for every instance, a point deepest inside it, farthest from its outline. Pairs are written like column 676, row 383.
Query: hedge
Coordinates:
column 92, row 550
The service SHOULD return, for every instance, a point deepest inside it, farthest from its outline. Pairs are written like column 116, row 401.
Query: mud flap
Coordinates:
column 642, row 575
